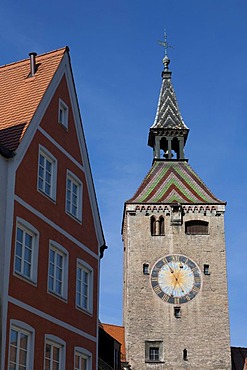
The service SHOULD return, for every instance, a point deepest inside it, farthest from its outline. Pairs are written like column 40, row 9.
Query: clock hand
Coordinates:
column 177, row 282
column 172, row 271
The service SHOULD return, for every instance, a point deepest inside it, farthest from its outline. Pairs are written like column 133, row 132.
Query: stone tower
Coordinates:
column 175, row 283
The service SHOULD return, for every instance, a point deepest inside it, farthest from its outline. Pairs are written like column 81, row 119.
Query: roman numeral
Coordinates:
column 165, row 297
column 157, row 289
column 195, row 289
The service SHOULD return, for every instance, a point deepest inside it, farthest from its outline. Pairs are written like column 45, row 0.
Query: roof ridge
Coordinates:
column 22, row 61
column 119, row 326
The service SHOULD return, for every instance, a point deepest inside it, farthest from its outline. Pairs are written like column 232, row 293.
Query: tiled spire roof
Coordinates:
column 173, row 182
column 20, row 94
column 168, row 132
column 168, row 115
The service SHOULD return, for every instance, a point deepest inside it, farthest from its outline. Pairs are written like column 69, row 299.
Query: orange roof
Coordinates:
column 117, row 332
column 20, row 95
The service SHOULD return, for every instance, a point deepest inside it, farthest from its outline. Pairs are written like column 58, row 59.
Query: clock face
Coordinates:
column 176, row 279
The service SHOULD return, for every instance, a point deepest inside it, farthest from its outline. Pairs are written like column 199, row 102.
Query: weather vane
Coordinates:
column 165, row 44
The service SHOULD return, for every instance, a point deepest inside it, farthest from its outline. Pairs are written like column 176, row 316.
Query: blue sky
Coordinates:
column 117, row 64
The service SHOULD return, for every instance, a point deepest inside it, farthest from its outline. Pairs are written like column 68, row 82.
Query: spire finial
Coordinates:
column 165, row 45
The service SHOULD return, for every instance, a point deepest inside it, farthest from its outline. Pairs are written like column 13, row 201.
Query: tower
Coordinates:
column 175, row 283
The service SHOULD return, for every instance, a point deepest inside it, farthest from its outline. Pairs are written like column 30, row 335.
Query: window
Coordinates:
column 26, row 250
column 161, row 226
column 20, row 347
column 185, row 355
column 145, row 269
column 153, row 351
column 54, row 353
column 47, row 173
column 206, row 270
column 176, row 214
column 177, row 312
column 84, row 286
column 157, row 227
column 196, row 227
column 58, row 270
column 154, row 354
column 73, row 196
column 63, row 111
column 83, row 359
column 153, row 225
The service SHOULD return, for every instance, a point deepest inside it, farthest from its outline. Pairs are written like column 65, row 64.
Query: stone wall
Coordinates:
column 203, row 329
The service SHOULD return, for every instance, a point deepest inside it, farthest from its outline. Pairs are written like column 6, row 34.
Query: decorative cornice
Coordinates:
column 148, row 209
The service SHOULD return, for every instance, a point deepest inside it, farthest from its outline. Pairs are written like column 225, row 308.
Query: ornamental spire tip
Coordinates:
column 165, row 45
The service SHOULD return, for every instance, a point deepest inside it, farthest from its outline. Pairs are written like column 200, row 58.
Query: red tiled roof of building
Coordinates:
column 20, row 95
column 117, row 332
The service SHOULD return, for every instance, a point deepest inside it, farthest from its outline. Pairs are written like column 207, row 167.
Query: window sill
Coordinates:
column 54, row 294
column 79, row 220
column 53, row 200
column 81, row 309
column 25, row 278
column 64, row 126
column 196, row 234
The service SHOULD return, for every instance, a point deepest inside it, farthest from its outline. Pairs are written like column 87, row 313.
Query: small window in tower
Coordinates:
column 161, row 226
column 177, row 312
column 154, row 354
column 185, row 355
column 154, row 351
column 196, row 227
column 153, row 225
column 206, row 269
column 63, row 114
column 145, row 269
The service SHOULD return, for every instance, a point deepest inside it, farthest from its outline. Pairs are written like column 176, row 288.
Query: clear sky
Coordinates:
column 117, row 64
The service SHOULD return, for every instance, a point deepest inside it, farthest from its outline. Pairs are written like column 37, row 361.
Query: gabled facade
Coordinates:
column 50, row 230
column 175, row 282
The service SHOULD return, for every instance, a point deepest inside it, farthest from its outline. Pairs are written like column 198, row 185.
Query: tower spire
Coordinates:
column 168, row 132
column 165, row 45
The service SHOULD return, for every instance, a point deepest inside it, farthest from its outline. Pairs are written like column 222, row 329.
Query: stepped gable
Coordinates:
column 20, row 94
column 173, row 182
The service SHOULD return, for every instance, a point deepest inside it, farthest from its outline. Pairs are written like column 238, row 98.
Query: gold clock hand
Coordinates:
column 177, row 282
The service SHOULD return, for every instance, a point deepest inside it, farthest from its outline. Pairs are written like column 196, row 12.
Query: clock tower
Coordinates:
column 175, row 283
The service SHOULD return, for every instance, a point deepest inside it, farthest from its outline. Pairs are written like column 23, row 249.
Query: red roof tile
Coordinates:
column 20, row 95
column 117, row 332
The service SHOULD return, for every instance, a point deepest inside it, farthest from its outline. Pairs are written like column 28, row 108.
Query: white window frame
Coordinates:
column 55, row 342
column 59, row 250
column 23, row 328
column 27, row 228
column 83, row 354
column 82, row 265
column 68, row 202
column 53, row 182
column 63, row 114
